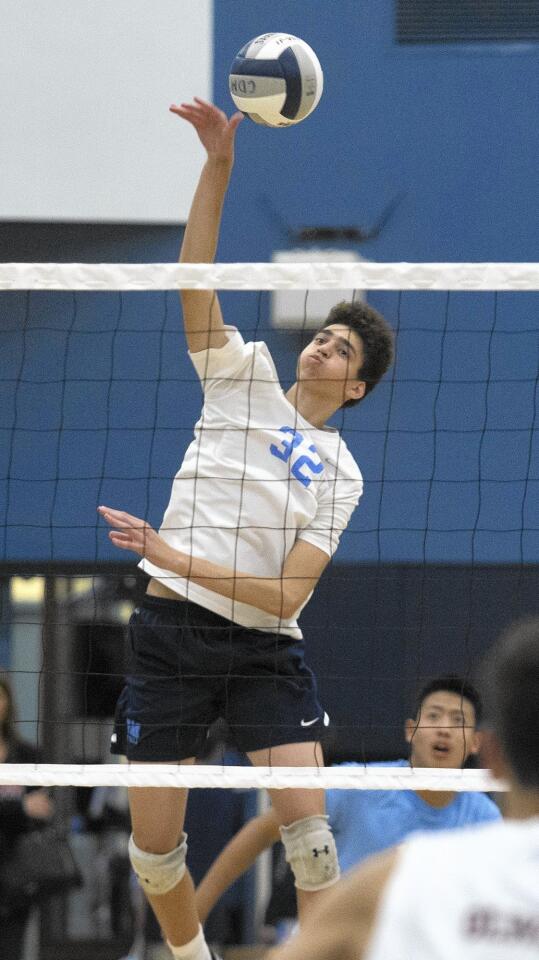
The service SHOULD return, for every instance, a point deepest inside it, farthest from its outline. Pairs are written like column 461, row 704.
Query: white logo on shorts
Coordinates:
column 309, row 723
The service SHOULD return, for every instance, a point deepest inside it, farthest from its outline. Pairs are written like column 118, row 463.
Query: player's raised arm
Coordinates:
column 202, row 316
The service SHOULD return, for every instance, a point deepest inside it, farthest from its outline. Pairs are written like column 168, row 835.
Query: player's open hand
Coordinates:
column 215, row 130
column 131, row 533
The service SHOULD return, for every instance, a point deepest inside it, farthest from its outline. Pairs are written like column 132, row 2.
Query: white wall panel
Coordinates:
column 85, row 87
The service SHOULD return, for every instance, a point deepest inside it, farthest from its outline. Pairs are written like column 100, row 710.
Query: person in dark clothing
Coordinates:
column 21, row 809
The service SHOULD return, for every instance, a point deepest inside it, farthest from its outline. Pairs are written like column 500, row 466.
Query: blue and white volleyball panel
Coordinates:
column 276, row 79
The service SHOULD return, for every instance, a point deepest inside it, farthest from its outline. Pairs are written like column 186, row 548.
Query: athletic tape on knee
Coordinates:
column 158, row 873
column 311, row 852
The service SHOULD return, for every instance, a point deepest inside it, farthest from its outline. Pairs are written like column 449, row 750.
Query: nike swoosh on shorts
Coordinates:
column 309, row 723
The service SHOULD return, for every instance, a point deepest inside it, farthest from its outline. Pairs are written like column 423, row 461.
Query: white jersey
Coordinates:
column 470, row 894
column 256, row 477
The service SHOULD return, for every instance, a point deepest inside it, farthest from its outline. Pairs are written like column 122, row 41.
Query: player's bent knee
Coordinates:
column 311, row 852
column 158, row 873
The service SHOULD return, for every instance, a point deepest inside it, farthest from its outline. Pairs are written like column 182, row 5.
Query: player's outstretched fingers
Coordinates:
column 201, row 112
column 236, row 119
column 186, row 112
column 120, row 539
column 206, row 107
column 119, row 518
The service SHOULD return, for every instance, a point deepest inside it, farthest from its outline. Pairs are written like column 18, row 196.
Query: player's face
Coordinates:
column 332, row 360
column 444, row 734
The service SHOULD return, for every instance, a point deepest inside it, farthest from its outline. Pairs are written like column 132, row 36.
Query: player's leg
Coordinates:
column 276, row 719
column 305, row 831
column 160, row 718
column 157, row 851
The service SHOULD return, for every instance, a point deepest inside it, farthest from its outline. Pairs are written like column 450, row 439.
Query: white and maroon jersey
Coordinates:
column 470, row 894
column 256, row 478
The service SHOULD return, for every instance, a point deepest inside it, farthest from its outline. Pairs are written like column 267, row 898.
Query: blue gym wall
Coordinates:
column 98, row 398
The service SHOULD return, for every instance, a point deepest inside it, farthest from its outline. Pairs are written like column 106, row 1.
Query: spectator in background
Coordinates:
column 21, row 809
column 441, row 733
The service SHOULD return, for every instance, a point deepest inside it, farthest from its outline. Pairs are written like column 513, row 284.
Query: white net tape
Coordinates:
column 270, row 276
column 274, row 778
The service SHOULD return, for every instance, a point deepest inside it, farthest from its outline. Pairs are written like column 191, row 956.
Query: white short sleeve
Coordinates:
column 236, row 361
column 338, row 500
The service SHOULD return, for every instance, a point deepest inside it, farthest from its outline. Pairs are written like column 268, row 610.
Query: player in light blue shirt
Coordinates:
column 367, row 821
column 442, row 733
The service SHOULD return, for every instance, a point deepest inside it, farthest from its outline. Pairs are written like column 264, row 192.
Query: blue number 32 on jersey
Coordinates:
column 302, row 465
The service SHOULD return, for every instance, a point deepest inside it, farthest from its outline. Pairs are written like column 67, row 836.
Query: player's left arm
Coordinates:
column 280, row 596
column 239, row 854
column 340, row 925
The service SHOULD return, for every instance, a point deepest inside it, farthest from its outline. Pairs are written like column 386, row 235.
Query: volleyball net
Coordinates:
column 100, row 402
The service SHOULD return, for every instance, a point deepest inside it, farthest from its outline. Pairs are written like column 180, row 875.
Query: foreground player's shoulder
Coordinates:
column 462, row 869
column 466, row 843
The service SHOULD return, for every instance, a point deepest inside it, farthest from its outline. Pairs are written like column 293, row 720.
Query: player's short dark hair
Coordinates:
column 511, row 693
column 377, row 338
column 451, row 683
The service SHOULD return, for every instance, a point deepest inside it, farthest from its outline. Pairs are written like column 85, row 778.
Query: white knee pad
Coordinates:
column 158, row 873
column 311, row 852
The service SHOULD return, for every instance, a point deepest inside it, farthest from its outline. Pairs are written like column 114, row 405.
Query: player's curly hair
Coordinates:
column 377, row 338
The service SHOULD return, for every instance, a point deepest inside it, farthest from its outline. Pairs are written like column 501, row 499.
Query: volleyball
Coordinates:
column 276, row 80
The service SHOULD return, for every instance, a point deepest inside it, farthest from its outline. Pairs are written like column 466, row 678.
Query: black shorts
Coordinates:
column 190, row 667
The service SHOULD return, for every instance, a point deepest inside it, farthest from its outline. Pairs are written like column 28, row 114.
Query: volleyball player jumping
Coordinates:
column 256, row 511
